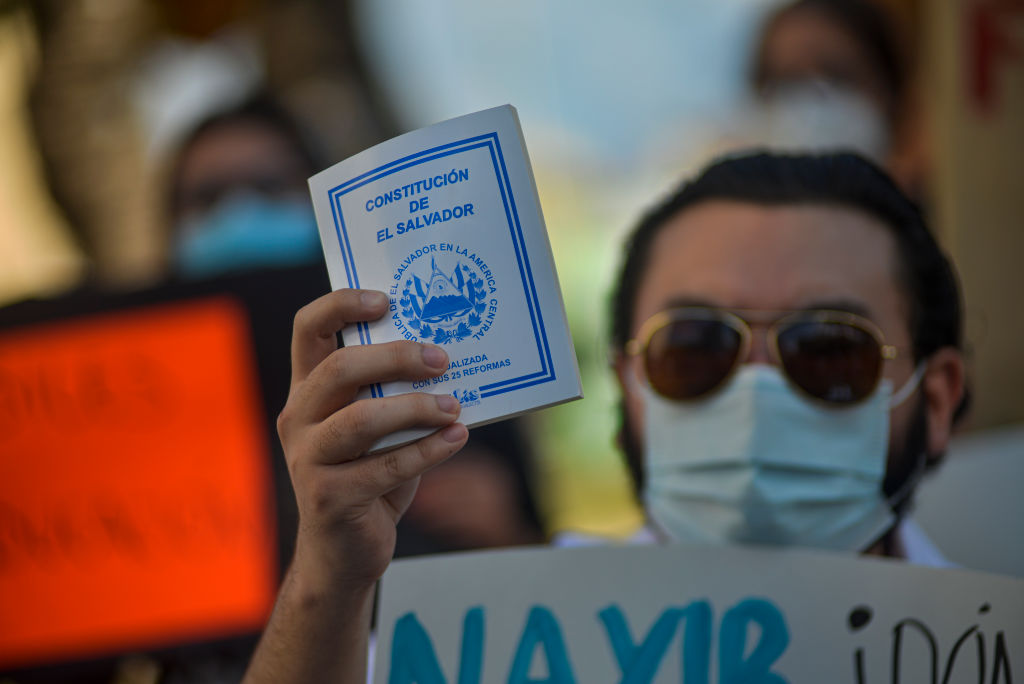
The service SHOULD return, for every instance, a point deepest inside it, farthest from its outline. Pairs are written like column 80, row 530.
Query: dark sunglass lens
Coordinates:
column 835, row 362
column 690, row 357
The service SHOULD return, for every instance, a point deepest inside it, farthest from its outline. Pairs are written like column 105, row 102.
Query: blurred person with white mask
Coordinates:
column 832, row 74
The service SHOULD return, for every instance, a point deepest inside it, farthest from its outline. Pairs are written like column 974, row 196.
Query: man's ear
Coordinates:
column 943, row 385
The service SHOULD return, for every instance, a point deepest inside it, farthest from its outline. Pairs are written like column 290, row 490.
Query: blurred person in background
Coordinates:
column 483, row 497
column 238, row 197
column 787, row 339
column 832, row 74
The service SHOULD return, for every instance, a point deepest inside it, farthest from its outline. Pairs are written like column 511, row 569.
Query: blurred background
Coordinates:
column 112, row 171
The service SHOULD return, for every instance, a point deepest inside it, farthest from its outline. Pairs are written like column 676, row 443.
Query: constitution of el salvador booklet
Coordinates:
column 447, row 222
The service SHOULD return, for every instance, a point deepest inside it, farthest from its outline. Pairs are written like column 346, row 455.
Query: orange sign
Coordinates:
column 135, row 493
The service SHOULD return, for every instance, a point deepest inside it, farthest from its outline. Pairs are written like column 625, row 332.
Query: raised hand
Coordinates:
column 349, row 501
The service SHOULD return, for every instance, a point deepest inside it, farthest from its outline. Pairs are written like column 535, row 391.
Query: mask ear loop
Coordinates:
column 897, row 501
column 898, row 498
column 903, row 393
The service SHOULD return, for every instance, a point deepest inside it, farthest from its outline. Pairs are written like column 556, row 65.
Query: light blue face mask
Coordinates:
column 757, row 463
column 247, row 231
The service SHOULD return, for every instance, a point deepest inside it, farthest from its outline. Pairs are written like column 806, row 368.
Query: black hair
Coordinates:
column 837, row 179
column 261, row 109
column 864, row 21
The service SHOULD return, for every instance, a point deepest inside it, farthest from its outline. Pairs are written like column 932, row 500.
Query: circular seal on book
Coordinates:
column 449, row 294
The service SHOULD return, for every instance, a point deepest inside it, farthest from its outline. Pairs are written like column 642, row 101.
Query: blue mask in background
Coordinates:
column 247, row 231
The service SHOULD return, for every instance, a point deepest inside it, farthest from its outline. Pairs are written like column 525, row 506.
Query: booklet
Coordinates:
column 446, row 221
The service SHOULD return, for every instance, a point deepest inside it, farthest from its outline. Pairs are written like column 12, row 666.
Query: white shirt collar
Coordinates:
column 910, row 543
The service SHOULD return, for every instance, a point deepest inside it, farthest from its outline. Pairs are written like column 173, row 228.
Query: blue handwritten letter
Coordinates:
column 732, row 668
column 541, row 630
column 639, row 662
column 414, row 661
column 472, row 658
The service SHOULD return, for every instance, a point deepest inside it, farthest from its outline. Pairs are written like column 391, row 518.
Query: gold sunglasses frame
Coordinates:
column 742, row 321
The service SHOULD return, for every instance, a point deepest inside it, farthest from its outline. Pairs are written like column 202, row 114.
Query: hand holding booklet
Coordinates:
column 446, row 221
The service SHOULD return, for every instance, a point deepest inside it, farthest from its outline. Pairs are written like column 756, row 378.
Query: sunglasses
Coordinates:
column 833, row 357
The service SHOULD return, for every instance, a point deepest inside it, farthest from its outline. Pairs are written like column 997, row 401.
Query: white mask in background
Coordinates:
column 759, row 464
column 819, row 116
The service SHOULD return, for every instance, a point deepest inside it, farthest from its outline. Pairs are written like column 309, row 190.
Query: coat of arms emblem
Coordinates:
column 446, row 306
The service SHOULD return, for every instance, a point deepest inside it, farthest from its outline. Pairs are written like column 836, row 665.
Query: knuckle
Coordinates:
column 321, row 500
column 325, row 439
column 423, row 450
column 339, row 362
column 297, row 458
column 358, row 418
column 330, row 438
column 397, row 354
column 335, row 372
column 426, row 404
column 392, row 464
column 282, row 422
column 286, row 431
column 361, row 480
column 405, row 354
column 302, row 318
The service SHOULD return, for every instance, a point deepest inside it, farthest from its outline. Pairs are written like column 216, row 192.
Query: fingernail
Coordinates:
column 373, row 300
column 434, row 356
column 447, row 403
column 453, row 433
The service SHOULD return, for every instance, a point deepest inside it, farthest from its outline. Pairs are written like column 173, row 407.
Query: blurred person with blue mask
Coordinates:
column 786, row 334
column 238, row 195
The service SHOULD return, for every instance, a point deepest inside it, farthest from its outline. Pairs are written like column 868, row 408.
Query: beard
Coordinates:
column 909, row 461
column 905, row 463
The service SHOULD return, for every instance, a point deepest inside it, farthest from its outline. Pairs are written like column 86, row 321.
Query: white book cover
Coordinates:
column 446, row 221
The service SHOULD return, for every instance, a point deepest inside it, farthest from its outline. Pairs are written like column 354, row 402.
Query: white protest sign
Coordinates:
column 693, row 615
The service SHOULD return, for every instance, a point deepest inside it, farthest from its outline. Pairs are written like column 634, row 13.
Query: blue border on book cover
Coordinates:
column 489, row 141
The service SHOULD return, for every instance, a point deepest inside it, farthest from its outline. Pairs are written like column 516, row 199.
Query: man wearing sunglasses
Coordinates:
column 786, row 335
column 787, row 339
